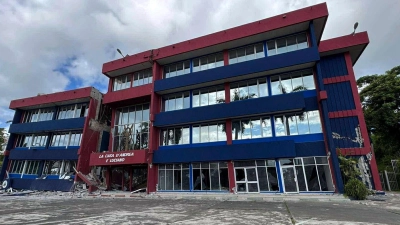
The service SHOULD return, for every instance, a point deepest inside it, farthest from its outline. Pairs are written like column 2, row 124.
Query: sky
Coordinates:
column 50, row 46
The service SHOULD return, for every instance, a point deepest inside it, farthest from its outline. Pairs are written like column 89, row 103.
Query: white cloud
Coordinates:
column 48, row 46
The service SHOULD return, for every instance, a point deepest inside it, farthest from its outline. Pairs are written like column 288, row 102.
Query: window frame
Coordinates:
column 119, row 127
column 286, row 37
column 294, row 114
column 63, row 110
column 65, row 135
column 231, row 61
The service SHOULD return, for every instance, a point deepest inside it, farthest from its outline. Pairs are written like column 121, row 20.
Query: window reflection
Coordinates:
column 249, row 89
column 247, row 53
column 38, row 115
column 299, row 123
column 294, row 82
column 176, row 102
column 131, row 129
column 175, row 136
column 177, row 69
column 208, row 62
column 208, row 133
column 209, row 96
column 251, row 128
column 287, row 44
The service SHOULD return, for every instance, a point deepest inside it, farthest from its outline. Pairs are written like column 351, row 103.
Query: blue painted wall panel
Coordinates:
column 310, row 149
column 333, row 66
column 295, row 138
column 340, row 97
column 265, row 105
column 48, row 154
column 263, row 150
column 345, row 128
column 254, row 66
column 241, row 151
column 105, row 139
column 4, row 168
column 46, row 126
column 42, row 184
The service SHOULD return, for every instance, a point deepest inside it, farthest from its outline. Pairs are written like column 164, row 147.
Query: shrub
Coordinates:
column 356, row 189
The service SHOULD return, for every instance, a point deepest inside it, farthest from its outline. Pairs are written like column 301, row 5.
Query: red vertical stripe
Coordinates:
column 155, row 108
column 110, row 84
column 231, row 175
column 227, row 93
column 361, row 120
column 226, row 57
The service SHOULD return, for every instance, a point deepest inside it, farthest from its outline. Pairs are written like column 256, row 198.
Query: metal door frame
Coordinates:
column 246, row 180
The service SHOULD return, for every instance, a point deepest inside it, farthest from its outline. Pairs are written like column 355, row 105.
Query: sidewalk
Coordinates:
column 226, row 196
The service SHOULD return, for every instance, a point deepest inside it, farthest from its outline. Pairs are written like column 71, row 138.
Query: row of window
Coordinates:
column 66, row 139
column 299, row 174
column 247, row 53
column 133, row 80
column 131, row 128
column 32, row 167
column 131, row 136
column 132, row 114
column 287, row 44
column 312, row 173
column 281, row 84
column 246, row 128
column 208, row 62
column 177, row 69
column 206, row 177
column 38, row 115
column 256, row 175
column 242, row 54
column 64, row 112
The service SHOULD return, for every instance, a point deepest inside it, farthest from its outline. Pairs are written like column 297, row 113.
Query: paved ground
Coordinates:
column 39, row 210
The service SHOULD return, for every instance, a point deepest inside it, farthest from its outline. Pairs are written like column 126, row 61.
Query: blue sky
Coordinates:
column 48, row 46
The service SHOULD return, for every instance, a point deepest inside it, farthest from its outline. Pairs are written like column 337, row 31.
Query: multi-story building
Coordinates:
column 51, row 136
column 263, row 107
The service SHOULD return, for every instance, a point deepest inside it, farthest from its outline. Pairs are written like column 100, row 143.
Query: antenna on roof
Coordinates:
column 123, row 57
column 355, row 27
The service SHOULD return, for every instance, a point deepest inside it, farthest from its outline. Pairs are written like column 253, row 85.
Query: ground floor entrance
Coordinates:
column 126, row 178
column 247, row 180
column 288, row 175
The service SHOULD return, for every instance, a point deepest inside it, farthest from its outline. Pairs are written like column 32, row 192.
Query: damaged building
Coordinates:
column 51, row 137
column 265, row 107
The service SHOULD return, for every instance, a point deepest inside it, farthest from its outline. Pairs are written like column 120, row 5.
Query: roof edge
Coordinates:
column 242, row 31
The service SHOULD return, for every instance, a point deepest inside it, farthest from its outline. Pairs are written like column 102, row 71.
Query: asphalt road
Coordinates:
column 29, row 210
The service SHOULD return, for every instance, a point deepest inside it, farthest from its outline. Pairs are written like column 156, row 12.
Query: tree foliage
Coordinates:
column 380, row 97
column 3, row 141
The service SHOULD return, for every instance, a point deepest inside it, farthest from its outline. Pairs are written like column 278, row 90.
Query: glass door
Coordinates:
column 289, row 179
column 252, row 180
column 246, row 180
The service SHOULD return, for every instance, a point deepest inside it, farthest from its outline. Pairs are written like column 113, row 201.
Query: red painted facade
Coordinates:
column 363, row 126
column 269, row 24
column 343, row 42
column 118, row 158
column 51, row 98
column 89, row 140
column 127, row 94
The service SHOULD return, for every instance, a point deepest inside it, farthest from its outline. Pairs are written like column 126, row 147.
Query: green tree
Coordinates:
column 380, row 97
column 3, row 141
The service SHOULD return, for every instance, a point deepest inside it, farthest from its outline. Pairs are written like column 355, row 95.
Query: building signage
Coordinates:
column 115, row 158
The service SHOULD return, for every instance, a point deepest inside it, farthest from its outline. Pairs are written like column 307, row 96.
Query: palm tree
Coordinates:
column 302, row 115
column 237, row 126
